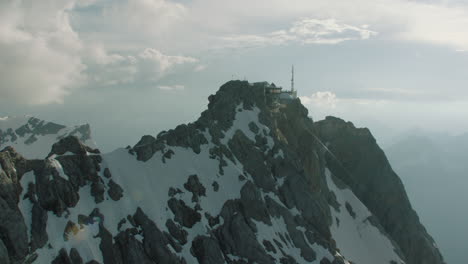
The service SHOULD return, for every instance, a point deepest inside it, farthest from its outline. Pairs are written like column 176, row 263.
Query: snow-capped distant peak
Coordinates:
column 32, row 137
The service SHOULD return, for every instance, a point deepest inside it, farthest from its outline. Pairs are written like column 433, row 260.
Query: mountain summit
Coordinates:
column 253, row 180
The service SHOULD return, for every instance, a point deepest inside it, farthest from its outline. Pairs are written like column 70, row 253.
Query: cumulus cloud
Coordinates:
column 43, row 58
column 325, row 99
column 304, row 31
column 40, row 52
column 159, row 62
column 329, row 100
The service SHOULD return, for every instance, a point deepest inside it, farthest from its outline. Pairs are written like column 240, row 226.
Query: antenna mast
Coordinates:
column 292, row 79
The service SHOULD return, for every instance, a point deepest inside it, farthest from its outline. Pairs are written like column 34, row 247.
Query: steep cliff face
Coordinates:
column 249, row 181
column 358, row 161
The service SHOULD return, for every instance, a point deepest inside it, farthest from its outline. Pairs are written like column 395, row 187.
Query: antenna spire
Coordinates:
column 292, row 78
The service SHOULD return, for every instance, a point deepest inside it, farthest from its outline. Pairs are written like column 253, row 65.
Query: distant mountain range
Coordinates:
column 434, row 169
column 33, row 137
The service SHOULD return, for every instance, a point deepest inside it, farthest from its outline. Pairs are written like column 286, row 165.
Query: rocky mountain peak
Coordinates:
column 252, row 180
column 231, row 98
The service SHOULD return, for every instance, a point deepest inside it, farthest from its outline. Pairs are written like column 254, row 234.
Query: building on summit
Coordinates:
column 277, row 92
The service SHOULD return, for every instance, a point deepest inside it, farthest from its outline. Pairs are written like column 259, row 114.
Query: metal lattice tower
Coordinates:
column 292, row 79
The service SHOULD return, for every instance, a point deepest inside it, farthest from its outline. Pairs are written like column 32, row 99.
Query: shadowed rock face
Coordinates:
column 12, row 227
column 71, row 144
column 48, row 192
column 359, row 162
column 281, row 213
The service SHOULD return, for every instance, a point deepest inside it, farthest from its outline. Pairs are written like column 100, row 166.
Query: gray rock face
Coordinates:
column 177, row 232
column 4, row 257
column 12, row 227
column 184, row 215
column 362, row 165
column 253, row 205
column 71, row 144
column 39, row 234
column 146, row 147
column 246, row 152
column 115, row 191
column 194, row 186
column 155, row 242
column 51, row 192
column 183, row 135
column 237, row 235
column 129, row 250
column 207, row 250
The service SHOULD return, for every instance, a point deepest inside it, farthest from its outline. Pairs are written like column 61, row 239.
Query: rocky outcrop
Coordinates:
column 48, row 191
column 155, row 242
column 13, row 231
column 206, row 250
column 71, row 144
column 194, row 186
column 184, row 214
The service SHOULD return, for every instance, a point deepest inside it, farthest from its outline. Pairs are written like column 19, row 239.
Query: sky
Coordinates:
column 136, row 67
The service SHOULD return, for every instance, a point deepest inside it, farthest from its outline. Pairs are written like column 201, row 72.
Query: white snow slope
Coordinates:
column 357, row 238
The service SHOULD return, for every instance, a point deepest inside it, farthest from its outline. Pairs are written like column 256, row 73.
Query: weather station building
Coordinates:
column 279, row 95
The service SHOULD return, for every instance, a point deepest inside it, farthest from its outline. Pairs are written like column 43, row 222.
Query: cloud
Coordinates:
column 156, row 59
column 324, row 99
column 48, row 48
column 442, row 23
column 39, row 52
column 149, row 17
column 397, row 91
column 200, row 68
column 328, row 31
column 324, row 103
column 432, row 22
column 177, row 87
column 200, row 25
column 43, row 58
column 304, row 31
column 148, row 65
